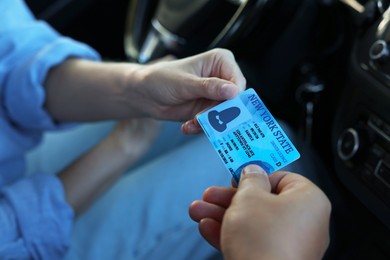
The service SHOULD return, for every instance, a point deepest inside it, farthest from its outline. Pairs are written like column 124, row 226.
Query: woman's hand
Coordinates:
column 283, row 216
column 179, row 89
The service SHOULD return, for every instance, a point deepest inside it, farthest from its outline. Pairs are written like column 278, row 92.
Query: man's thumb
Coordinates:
column 253, row 176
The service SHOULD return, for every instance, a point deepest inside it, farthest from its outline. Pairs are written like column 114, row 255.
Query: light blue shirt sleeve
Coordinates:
column 28, row 49
column 35, row 219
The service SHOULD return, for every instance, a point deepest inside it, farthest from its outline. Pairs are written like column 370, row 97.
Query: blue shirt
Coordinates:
column 35, row 219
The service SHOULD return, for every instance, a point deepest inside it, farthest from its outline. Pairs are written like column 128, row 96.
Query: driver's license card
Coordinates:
column 243, row 131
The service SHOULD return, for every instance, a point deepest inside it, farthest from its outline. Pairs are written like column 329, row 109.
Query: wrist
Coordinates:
column 124, row 155
column 131, row 139
column 137, row 81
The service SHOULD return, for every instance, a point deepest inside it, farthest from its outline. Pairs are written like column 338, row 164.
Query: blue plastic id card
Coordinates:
column 243, row 131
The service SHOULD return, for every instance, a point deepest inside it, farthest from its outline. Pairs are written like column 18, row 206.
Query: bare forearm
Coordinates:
column 81, row 90
column 90, row 175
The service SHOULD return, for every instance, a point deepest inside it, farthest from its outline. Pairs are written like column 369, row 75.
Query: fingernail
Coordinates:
column 227, row 91
column 253, row 169
column 188, row 127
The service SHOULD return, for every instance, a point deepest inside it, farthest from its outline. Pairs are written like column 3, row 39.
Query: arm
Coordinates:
column 96, row 170
column 170, row 90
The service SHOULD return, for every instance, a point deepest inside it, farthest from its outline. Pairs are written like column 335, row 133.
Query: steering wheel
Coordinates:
column 155, row 28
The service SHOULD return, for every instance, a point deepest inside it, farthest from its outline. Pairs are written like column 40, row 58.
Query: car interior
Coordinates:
column 323, row 66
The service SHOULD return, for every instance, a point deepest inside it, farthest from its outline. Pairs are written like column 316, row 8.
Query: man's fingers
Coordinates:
column 210, row 230
column 221, row 196
column 200, row 209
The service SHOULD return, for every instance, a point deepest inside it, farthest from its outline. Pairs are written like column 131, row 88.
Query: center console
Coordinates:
column 361, row 134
